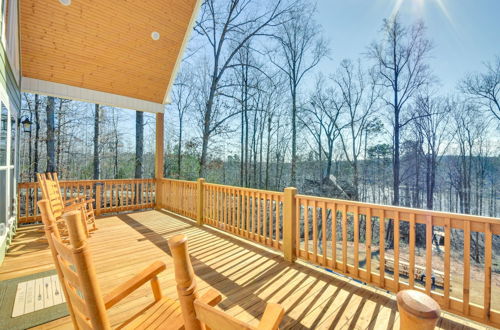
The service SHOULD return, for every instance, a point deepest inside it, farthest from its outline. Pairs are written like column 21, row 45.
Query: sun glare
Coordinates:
column 418, row 6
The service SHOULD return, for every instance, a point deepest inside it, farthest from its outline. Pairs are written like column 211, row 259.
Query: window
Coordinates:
column 3, row 135
column 8, row 161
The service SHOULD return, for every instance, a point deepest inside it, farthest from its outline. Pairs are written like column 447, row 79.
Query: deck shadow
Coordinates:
column 218, row 280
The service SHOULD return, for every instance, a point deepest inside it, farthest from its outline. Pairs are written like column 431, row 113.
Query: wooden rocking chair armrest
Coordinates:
column 126, row 288
column 71, row 201
column 212, row 297
column 78, row 204
column 273, row 314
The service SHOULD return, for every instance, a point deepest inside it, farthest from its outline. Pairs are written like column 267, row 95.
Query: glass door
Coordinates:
column 8, row 162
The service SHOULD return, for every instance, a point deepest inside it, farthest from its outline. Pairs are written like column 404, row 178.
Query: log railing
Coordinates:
column 390, row 247
column 109, row 196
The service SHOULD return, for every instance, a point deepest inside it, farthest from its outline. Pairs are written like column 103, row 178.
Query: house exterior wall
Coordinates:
column 10, row 105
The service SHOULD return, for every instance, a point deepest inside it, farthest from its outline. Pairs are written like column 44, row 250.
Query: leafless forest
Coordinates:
column 250, row 108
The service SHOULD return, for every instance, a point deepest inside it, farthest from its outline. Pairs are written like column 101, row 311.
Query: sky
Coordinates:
column 465, row 33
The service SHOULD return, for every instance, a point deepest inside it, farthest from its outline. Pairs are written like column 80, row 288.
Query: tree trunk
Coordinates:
column 58, row 136
column 139, row 143
column 179, row 150
column 51, row 161
column 268, row 150
column 293, row 170
column 96, row 142
column 37, row 137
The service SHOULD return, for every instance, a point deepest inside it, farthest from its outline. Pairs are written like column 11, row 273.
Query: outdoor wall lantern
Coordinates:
column 26, row 122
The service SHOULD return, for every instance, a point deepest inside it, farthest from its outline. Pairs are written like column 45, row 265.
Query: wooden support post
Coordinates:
column 186, row 282
column 200, row 202
column 289, row 224
column 159, row 158
column 417, row 311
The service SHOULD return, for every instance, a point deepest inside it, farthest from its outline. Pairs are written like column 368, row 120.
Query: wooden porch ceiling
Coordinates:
column 247, row 275
column 106, row 45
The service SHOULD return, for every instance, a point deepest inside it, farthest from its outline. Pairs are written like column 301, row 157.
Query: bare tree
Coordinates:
column 183, row 98
column 359, row 93
column 400, row 61
column 432, row 123
column 484, row 88
column 228, row 26
column 51, row 155
column 301, row 48
column 96, row 142
column 321, row 119
column 37, row 137
column 139, row 146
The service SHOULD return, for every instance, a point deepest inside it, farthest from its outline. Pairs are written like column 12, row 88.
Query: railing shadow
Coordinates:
column 307, row 294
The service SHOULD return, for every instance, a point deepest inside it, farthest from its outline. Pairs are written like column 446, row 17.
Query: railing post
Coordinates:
column 200, row 202
column 417, row 311
column 158, row 194
column 98, row 199
column 289, row 230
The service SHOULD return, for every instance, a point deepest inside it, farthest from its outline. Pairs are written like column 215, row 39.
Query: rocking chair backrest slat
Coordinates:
column 53, row 238
column 76, row 273
column 51, row 192
column 90, row 290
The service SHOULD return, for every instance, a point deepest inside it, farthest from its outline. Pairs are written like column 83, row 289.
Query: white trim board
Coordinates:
column 187, row 35
column 36, row 86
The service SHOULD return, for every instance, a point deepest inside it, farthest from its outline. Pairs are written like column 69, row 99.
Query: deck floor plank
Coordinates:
column 247, row 275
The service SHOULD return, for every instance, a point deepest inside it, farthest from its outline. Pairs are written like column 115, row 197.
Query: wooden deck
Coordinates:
column 247, row 275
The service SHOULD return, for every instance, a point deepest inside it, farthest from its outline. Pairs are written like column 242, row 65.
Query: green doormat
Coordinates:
column 34, row 294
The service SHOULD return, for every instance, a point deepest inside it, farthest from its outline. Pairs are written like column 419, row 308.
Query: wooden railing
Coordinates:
column 393, row 248
column 178, row 196
column 109, row 196
column 352, row 238
column 250, row 213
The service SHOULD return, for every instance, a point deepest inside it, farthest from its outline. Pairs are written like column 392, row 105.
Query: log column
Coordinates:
column 159, row 158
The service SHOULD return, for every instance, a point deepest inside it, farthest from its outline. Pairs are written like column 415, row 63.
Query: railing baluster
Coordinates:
column 447, row 255
column 344, row 237
column 315, row 231
column 382, row 248
column 466, row 280
column 356, row 241
column 368, row 244
column 428, row 259
column 411, row 261
column 277, row 223
column 306, row 228
column 334, row 236
column 396, row 250
column 487, row 270
column 298, row 206
column 323, row 233
column 259, row 214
